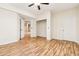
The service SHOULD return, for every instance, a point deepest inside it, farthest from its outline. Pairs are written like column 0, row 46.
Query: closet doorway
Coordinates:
column 42, row 28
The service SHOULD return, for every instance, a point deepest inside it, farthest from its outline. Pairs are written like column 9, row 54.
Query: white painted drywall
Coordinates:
column 49, row 26
column 33, row 27
column 77, row 22
column 22, row 27
column 42, row 16
column 8, row 27
column 41, row 28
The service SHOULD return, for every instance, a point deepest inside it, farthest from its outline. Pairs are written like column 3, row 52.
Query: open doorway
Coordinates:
column 27, row 27
column 42, row 28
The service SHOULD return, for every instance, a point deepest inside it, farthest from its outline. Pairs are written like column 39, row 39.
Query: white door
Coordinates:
column 69, row 28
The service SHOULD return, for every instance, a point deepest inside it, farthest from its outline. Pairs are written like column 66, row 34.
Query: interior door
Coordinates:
column 69, row 24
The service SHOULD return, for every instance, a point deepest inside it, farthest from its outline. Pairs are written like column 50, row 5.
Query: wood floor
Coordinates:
column 40, row 47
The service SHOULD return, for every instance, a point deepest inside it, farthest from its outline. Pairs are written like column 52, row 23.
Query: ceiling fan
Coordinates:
column 38, row 5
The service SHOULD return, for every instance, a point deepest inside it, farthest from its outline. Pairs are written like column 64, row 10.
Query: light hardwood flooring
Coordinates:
column 40, row 47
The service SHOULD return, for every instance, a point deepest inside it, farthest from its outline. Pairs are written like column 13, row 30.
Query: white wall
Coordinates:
column 77, row 24
column 33, row 27
column 64, row 25
column 42, row 16
column 49, row 25
column 8, row 27
column 41, row 28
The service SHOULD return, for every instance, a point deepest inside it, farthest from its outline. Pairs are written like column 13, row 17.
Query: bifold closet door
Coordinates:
column 69, row 25
column 65, row 26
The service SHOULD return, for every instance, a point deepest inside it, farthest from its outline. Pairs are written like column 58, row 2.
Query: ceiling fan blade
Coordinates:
column 38, row 7
column 45, row 3
column 31, row 5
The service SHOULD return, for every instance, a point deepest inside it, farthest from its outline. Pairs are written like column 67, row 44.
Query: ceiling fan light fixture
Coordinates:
column 38, row 4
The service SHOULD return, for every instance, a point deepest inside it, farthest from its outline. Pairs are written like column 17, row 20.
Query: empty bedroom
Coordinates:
column 39, row 29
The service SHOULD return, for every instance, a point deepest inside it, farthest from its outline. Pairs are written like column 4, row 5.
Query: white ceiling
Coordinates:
column 63, row 6
column 55, row 7
column 33, row 9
